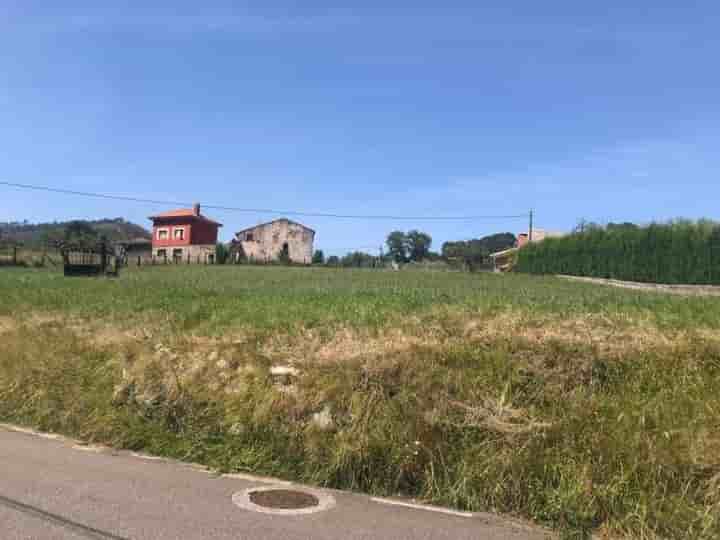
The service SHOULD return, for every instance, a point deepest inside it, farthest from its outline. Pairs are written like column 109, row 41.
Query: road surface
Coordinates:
column 52, row 489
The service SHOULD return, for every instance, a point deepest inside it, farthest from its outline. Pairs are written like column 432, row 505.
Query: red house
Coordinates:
column 184, row 235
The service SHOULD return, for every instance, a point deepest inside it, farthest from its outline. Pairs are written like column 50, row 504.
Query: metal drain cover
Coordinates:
column 283, row 500
column 286, row 499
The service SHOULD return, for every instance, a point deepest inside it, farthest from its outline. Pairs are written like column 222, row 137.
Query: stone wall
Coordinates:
column 265, row 242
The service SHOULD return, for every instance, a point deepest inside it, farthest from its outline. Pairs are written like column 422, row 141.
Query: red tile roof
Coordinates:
column 183, row 212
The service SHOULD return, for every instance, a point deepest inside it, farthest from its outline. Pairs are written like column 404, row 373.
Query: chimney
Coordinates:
column 196, row 209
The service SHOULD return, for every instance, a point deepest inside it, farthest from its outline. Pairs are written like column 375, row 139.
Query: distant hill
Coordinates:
column 36, row 234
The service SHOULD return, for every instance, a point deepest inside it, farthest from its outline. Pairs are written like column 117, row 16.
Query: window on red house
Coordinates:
column 162, row 234
column 179, row 233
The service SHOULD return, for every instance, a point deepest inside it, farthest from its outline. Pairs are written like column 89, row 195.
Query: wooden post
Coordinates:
column 15, row 249
column 103, row 257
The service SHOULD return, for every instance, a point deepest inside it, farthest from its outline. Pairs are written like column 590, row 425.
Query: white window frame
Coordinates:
column 165, row 230
column 182, row 235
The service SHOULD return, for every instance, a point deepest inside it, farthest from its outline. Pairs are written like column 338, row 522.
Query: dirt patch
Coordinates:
column 7, row 324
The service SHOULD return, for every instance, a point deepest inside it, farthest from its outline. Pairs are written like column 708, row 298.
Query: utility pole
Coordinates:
column 530, row 230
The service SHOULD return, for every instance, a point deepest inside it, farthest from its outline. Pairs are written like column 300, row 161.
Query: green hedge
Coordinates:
column 680, row 252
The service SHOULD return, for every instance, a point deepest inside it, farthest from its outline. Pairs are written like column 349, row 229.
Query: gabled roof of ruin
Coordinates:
column 275, row 221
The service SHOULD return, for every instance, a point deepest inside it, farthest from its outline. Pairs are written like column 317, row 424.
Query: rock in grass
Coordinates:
column 323, row 420
column 283, row 374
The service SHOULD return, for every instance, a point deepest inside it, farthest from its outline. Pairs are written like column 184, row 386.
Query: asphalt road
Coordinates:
column 51, row 489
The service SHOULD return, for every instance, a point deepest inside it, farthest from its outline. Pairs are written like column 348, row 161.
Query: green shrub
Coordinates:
column 680, row 252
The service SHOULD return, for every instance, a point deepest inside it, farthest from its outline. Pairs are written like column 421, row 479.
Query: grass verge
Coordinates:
column 603, row 423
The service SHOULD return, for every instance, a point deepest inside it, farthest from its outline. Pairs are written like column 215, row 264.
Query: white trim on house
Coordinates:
column 165, row 230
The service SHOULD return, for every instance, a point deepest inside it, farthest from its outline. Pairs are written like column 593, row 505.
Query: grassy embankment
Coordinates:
column 586, row 408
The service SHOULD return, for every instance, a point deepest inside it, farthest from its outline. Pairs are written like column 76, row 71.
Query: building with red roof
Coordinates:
column 184, row 235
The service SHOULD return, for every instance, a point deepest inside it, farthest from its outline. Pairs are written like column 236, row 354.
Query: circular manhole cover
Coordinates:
column 283, row 500
column 287, row 499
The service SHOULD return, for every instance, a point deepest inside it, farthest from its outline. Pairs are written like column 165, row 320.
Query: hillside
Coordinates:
column 35, row 234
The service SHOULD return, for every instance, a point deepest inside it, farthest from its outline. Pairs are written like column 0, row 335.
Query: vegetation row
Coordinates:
column 680, row 252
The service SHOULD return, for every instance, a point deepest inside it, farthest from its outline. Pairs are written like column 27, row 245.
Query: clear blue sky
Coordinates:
column 603, row 111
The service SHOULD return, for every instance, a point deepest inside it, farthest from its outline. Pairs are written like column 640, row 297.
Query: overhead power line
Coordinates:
column 295, row 213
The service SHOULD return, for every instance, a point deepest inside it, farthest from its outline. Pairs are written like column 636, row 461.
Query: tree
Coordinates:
column 474, row 254
column 318, row 257
column 418, row 245
column 357, row 259
column 433, row 256
column 333, row 260
column 397, row 246
column 221, row 253
column 498, row 242
column 80, row 232
column 621, row 227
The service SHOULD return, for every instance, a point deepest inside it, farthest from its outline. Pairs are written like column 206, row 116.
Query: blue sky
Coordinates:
column 606, row 111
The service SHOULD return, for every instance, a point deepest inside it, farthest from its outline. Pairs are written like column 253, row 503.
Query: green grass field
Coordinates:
column 589, row 409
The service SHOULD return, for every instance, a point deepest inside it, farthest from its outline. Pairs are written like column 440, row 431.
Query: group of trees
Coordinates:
column 80, row 232
column 355, row 259
column 414, row 247
column 475, row 254
column 678, row 252
column 411, row 246
column 403, row 247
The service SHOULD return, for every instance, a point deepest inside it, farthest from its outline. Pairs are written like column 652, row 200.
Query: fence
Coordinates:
column 89, row 260
column 15, row 254
column 153, row 260
column 9, row 254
